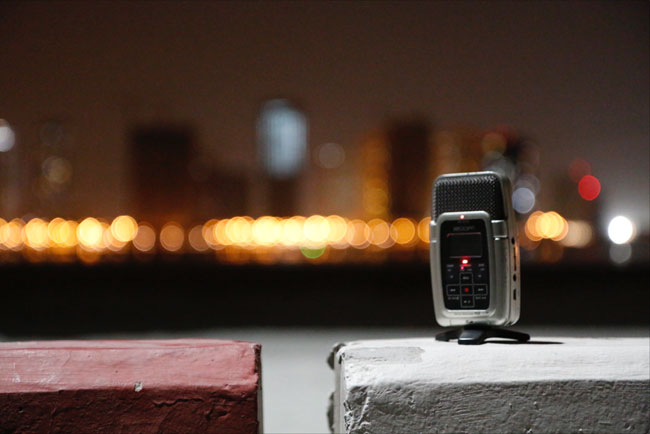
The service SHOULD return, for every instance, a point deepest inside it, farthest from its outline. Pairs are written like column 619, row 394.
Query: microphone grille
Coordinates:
column 480, row 192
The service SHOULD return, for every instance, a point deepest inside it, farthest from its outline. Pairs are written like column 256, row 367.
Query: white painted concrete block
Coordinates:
column 421, row 385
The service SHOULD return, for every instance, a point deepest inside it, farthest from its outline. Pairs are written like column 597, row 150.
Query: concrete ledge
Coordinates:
column 549, row 385
column 188, row 385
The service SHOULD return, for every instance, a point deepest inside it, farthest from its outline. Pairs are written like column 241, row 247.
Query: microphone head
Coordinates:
column 479, row 191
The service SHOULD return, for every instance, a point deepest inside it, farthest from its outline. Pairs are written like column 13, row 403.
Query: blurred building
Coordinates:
column 409, row 144
column 162, row 188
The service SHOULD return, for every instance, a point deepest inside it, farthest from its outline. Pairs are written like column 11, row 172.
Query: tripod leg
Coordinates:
column 477, row 334
column 507, row 334
column 473, row 336
column 449, row 335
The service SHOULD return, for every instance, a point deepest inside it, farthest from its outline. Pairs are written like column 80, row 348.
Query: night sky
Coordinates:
column 573, row 76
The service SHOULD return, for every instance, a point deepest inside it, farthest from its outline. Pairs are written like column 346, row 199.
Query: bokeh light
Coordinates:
column 124, row 228
column 57, row 171
column 529, row 181
column 523, row 200
column 11, row 234
column 549, row 225
column 145, row 239
column 7, row 136
column 530, row 228
column 423, row 229
column 589, row 187
column 620, row 253
column 621, row 230
column 36, row 236
column 266, row 231
column 90, row 234
column 219, row 231
column 3, row 222
column 292, row 231
column 493, row 142
column 312, row 253
column 380, row 232
column 172, row 237
column 376, row 201
column 316, row 230
column 330, row 155
column 405, row 231
column 110, row 242
column 196, row 240
column 358, row 234
column 62, row 233
column 338, row 228
column 239, row 230
column 208, row 234
column 269, row 240
column 579, row 234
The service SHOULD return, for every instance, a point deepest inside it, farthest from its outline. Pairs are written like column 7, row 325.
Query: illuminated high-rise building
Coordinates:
column 282, row 143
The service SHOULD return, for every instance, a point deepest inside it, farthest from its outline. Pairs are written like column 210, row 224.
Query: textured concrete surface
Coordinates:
column 294, row 363
column 188, row 385
column 549, row 385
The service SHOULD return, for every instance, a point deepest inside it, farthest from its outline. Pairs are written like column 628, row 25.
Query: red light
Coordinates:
column 462, row 216
column 465, row 261
column 589, row 187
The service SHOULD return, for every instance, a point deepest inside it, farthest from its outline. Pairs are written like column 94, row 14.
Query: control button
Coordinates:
column 465, row 277
column 466, row 289
column 451, row 277
column 481, row 265
column 467, row 301
column 482, row 301
column 480, row 289
column 453, row 290
column 451, row 273
column 452, row 302
column 480, row 276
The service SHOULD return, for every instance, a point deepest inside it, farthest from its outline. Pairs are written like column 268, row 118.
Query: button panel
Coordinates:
column 464, row 264
column 466, row 285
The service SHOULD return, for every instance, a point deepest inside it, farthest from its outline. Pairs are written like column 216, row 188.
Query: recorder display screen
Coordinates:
column 467, row 244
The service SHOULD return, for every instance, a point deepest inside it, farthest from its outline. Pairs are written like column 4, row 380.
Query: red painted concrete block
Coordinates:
column 170, row 386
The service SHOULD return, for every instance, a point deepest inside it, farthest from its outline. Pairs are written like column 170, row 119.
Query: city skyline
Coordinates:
column 579, row 91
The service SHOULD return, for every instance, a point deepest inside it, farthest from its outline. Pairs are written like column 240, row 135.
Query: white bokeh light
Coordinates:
column 620, row 230
column 7, row 136
column 523, row 200
column 282, row 133
column 620, row 253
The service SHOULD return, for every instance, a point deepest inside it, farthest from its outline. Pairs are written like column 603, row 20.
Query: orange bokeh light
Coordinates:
column 172, row 237
column 145, row 239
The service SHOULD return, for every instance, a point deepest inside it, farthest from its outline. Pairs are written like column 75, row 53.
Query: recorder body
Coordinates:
column 474, row 251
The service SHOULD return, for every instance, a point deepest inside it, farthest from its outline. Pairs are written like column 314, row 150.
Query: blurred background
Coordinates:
column 240, row 169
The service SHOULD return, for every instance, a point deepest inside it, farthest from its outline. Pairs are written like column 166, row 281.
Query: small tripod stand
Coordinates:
column 476, row 334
